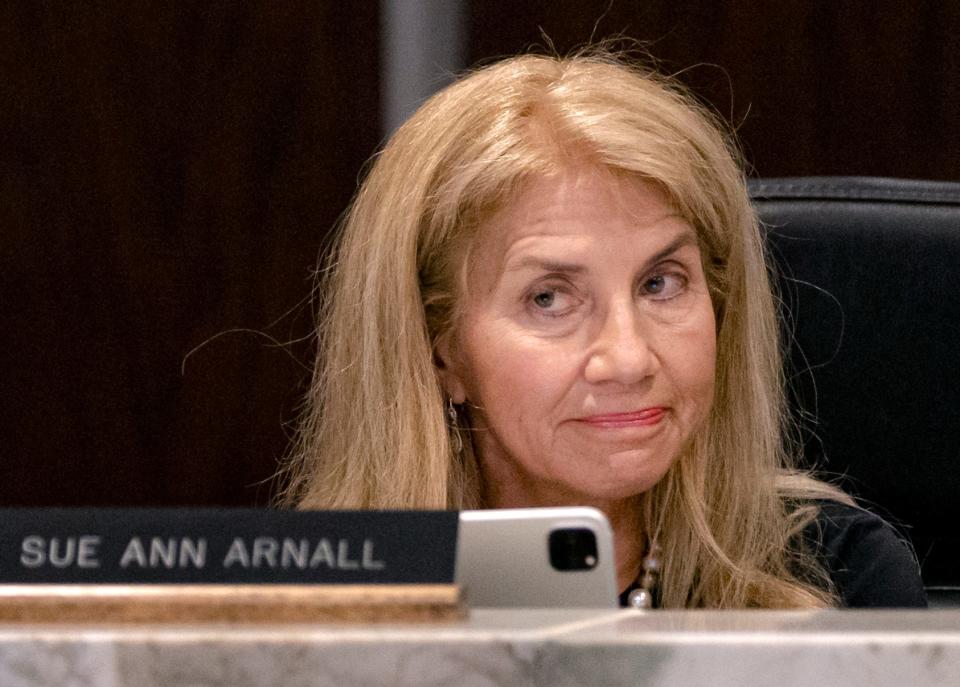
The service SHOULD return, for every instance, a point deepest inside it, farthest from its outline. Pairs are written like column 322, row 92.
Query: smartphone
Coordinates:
column 536, row 557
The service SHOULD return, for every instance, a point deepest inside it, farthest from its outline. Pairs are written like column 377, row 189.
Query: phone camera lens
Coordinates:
column 573, row 548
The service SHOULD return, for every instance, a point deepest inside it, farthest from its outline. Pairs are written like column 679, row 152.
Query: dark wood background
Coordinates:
column 168, row 173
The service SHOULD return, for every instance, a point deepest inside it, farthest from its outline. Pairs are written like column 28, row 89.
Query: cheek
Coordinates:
column 691, row 352
column 511, row 375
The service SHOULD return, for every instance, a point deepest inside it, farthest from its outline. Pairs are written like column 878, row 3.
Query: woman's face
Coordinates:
column 587, row 342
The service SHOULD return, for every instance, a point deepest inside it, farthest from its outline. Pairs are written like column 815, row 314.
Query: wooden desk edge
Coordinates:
column 230, row 603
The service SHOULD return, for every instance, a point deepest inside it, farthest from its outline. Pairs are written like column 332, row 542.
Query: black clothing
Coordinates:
column 869, row 563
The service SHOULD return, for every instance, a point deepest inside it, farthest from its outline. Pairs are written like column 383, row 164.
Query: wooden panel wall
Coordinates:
column 168, row 173
column 868, row 88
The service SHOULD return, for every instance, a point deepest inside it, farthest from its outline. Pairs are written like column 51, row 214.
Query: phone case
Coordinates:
column 503, row 559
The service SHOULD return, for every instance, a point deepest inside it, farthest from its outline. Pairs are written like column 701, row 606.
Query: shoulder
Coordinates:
column 869, row 563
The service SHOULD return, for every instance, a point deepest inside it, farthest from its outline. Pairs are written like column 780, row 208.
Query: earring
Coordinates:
column 454, row 426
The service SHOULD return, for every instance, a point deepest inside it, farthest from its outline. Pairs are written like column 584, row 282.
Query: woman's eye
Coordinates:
column 664, row 286
column 551, row 301
column 544, row 299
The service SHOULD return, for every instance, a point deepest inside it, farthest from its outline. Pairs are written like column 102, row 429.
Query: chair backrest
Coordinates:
column 869, row 275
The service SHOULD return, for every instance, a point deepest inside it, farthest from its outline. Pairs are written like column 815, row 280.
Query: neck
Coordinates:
column 627, row 541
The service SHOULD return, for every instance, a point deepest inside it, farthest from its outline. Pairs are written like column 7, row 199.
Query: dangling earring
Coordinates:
column 454, row 426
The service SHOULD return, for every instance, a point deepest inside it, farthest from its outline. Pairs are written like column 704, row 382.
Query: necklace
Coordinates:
column 642, row 597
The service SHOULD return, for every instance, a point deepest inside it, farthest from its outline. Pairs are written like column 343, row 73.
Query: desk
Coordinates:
column 503, row 647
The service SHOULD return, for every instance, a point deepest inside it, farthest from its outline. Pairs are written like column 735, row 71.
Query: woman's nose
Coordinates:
column 621, row 351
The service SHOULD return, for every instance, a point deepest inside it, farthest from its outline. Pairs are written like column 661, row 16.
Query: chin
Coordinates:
column 635, row 472
column 620, row 491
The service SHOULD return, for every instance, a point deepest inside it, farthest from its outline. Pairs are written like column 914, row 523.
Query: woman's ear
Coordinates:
column 450, row 370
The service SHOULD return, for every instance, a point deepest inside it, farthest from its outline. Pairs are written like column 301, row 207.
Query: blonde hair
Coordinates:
column 375, row 433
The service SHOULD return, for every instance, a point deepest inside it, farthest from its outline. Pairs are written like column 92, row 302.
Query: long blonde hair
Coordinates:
column 375, row 433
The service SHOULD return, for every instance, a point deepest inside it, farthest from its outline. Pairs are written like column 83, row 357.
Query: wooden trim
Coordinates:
column 229, row 603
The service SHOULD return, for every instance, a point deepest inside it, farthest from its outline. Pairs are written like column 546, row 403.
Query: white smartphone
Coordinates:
column 536, row 557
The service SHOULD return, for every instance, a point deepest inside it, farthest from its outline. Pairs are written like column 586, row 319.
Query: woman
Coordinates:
column 551, row 290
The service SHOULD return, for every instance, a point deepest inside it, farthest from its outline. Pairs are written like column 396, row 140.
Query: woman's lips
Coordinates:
column 633, row 418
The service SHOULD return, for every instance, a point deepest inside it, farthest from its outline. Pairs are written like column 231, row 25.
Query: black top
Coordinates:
column 869, row 563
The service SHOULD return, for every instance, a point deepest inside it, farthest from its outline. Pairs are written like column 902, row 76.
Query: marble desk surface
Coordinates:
column 503, row 647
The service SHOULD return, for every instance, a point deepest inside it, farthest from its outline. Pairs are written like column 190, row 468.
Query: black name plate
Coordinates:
column 220, row 546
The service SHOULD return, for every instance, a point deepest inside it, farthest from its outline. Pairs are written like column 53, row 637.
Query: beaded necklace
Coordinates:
column 643, row 596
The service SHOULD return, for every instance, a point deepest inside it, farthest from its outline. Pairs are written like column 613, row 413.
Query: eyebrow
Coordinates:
column 685, row 239
column 546, row 265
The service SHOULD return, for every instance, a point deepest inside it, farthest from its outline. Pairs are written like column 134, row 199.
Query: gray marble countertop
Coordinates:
column 503, row 647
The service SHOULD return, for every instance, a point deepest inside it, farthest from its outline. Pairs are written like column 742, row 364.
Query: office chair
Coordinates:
column 869, row 281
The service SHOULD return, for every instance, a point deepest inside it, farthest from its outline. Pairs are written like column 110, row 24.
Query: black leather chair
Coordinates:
column 869, row 277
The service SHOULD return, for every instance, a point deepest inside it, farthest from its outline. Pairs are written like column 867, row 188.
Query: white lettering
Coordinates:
column 81, row 551
column 62, row 559
column 33, row 552
column 87, row 552
column 265, row 549
column 163, row 552
column 343, row 553
column 294, row 552
column 368, row 563
column 323, row 554
column 193, row 552
column 237, row 554
column 134, row 553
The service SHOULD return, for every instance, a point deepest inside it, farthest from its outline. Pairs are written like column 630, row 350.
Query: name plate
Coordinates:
column 226, row 546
